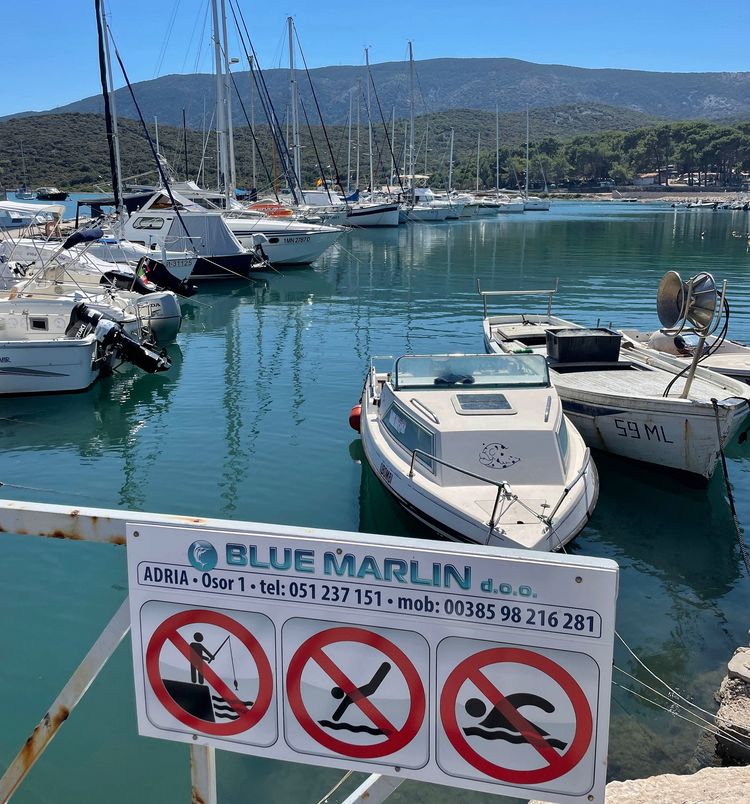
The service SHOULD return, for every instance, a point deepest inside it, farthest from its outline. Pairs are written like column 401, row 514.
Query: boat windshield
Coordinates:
column 479, row 371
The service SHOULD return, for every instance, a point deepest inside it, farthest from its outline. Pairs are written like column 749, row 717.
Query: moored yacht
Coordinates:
column 478, row 448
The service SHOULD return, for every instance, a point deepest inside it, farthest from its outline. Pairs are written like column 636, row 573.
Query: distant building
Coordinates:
column 645, row 179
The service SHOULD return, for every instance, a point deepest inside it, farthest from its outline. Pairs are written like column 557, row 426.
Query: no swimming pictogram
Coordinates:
column 498, row 732
column 209, row 672
column 354, row 692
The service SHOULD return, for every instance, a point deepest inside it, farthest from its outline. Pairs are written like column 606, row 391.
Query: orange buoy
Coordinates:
column 354, row 416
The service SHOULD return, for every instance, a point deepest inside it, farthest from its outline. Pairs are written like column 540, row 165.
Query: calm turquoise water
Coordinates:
column 251, row 423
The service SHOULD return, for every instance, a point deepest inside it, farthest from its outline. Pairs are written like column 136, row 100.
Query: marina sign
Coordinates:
column 470, row 666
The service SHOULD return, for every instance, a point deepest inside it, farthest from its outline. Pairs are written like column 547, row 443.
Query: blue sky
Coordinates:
column 49, row 55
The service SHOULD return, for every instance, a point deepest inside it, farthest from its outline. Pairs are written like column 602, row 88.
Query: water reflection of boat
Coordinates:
column 92, row 422
column 378, row 510
column 682, row 538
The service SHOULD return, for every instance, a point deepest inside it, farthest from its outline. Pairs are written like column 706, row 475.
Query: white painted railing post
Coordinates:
column 203, row 774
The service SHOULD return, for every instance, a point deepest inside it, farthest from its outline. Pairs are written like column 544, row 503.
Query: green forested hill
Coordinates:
column 569, row 144
column 70, row 150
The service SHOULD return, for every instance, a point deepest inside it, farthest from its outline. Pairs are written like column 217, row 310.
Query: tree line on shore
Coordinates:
column 70, row 150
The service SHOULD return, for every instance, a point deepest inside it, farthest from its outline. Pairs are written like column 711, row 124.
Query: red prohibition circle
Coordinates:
column 556, row 766
column 306, row 653
column 248, row 717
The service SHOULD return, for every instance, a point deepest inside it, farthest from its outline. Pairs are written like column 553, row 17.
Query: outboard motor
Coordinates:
column 129, row 349
column 160, row 314
column 112, row 340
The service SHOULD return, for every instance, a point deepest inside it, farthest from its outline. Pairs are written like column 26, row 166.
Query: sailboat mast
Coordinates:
column 349, row 146
column 221, row 165
column 497, row 150
column 527, row 152
column 369, row 119
column 426, row 138
column 450, row 166
column 295, row 110
column 252, row 120
column 393, row 148
column 231, row 175
column 359, row 104
column 411, row 120
column 110, row 89
column 479, row 139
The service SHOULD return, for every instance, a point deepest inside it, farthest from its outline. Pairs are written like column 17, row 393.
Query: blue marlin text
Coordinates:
column 348, row 565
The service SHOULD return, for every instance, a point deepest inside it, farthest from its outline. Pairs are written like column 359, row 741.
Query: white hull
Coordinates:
column 47, row 367
column 635, row 421
column 462, row 501
column 509, row 207
column 536, row 205
column 287, row 244
column 454, row 524
column 426, row 214
column 373, row 216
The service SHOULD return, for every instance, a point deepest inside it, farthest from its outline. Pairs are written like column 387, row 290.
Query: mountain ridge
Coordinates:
column 444, row 84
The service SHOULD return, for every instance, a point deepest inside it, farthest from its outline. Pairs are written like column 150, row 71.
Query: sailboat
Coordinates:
column 532, row 203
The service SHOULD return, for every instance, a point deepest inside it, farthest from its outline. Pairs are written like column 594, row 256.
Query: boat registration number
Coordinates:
column 386, row 473
column 648, row 432
column 299, row 239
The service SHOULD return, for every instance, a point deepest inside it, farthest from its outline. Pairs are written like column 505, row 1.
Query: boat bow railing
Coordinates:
column 549, row 293
column 504, row 489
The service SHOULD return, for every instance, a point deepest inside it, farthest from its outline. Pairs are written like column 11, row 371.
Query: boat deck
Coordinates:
column 633, row 380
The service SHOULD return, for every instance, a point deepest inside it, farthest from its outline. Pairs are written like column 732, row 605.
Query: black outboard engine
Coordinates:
column 113, row 341
column 141, row 356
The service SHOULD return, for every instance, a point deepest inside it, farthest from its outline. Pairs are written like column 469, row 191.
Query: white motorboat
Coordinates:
column 63, row 345
column 155, row 314
column 478, row 448
column 284, row 239
column 624, row 400
column 158, row 225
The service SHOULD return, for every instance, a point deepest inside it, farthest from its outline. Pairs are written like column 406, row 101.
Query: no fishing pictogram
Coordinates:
column 367, row 693
column 504, row 722
column 211, row 702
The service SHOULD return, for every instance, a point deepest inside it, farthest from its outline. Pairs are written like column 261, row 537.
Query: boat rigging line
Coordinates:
column 385, row 129
column 265, row 99
column 320, row 115
column 317, row 155
column 162, row 174
column 730, row 493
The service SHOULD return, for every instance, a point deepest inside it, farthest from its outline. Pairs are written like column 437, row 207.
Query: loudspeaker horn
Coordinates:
column 670, row 299
column 694, row 301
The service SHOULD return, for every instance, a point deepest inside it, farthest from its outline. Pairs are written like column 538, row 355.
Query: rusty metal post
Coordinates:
column 66, row 701
column 203, row 774
column 375, row 789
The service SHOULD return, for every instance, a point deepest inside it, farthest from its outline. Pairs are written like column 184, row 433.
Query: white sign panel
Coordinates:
column 477, row 667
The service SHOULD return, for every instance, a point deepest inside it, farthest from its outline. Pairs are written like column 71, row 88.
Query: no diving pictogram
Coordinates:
column 209, row 697
column 506, row 723
column 382, row 734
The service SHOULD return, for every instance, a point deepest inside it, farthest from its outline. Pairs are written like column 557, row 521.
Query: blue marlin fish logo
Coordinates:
column 203, row 556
